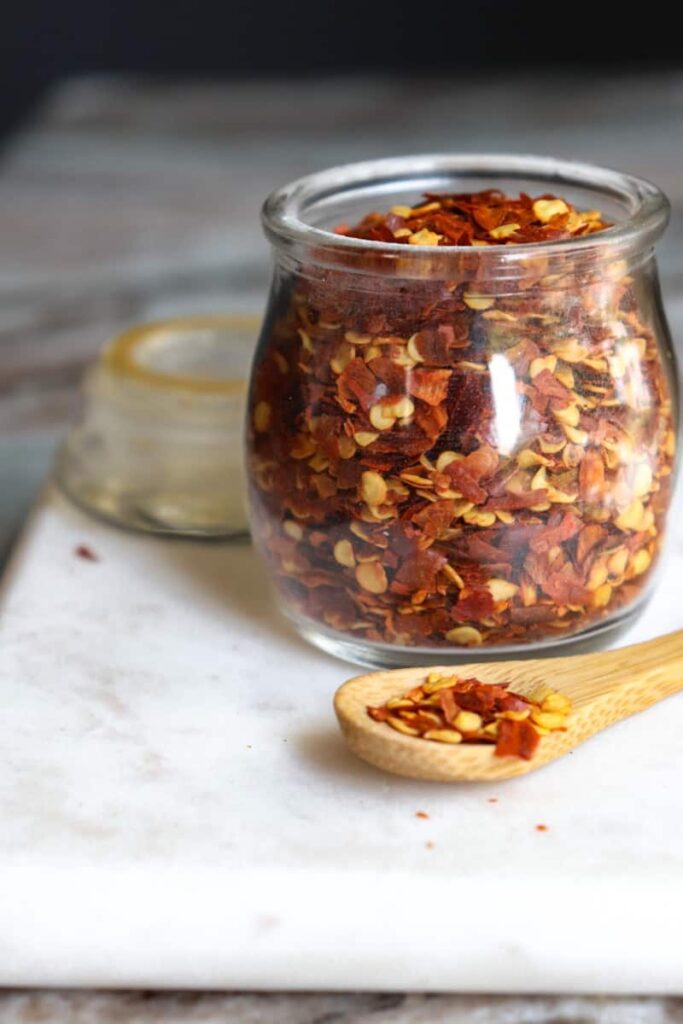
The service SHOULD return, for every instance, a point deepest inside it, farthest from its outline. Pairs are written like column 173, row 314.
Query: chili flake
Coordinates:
column 447, row 709
column 86, row 553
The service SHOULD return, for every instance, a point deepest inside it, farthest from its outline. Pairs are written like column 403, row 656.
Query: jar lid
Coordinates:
column 159, row 447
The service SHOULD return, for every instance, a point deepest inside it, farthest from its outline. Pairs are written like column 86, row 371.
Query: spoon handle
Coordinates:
column 647, row 672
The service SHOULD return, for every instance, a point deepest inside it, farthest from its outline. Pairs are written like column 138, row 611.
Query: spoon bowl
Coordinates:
column 603, row 688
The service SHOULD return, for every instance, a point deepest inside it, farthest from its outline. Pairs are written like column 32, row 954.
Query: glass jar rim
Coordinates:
column 122, row 355
column 284, row 210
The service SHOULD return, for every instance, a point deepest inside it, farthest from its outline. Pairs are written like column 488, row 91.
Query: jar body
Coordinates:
column 445, row 461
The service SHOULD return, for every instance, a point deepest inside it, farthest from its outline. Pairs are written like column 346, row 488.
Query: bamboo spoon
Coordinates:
column 603, row 688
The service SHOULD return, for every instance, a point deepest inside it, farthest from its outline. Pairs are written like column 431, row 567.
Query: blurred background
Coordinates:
column 47, row 41
column 139, row 140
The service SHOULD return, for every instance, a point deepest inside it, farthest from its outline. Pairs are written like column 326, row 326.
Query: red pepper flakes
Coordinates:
column 382, row 497
column 492, row 800
column 421, row 814
column 447, row 709
column 86, row 553
column 477, row 218
column 542, row 828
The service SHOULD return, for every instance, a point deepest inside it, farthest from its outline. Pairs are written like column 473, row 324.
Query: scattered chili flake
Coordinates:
column 392, row 493
column 429, row 845
column 542, row 828
column 447, row 709
column 492, row 800
column 421, row 814
column 86, row 553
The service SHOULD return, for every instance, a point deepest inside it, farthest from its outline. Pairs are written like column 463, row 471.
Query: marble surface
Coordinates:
column 123, row 200
column 179, row 809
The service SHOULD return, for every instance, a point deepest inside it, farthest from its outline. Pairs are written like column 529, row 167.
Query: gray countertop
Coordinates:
column 126, row 200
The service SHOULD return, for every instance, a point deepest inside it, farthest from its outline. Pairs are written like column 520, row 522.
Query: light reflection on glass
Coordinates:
column 507, row 413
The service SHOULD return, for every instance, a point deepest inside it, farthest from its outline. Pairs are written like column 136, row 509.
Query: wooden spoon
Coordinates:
column 603, row 688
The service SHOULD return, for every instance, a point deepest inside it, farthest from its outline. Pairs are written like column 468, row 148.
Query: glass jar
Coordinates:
column 159, row 447
column 461, row 447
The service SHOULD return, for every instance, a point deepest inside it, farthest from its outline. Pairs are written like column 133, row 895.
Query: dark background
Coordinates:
column 46, row 40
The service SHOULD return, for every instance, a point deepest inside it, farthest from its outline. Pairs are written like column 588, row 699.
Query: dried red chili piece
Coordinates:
column 356, row 381
column 418, row 572
column 435, row 517
column 463, row 481
column 515, row 502
column 564, row 585
column 86, row 553
column 568, row 526
column 448, row 705
column 431, row 421
column 472, row 606
column 517, row 739
column 514, row 702
column 392, row 376
column 551, row 387
column 324, row 485
column 480, row 549
column 430, row 386
column 480, row 697
column 590, row 535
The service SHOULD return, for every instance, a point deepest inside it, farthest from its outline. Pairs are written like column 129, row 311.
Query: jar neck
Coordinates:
column 300, row 219
column 553, row 272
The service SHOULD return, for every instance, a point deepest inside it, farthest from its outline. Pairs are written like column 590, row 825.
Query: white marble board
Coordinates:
column 178, row 809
